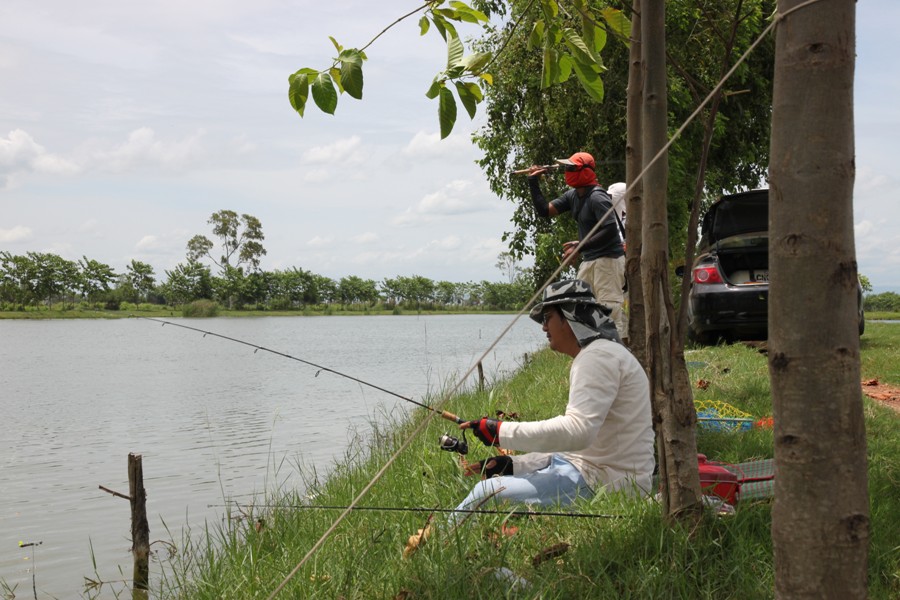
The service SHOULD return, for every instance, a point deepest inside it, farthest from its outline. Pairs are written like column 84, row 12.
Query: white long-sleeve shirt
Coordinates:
column 606, row 431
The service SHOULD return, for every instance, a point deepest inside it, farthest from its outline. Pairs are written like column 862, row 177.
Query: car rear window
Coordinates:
column 739, row 214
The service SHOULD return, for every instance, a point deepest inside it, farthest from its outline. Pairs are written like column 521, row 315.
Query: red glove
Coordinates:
column 486, row 430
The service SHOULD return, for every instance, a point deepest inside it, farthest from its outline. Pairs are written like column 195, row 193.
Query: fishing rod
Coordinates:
column 552, row 167
column 421, row 509
column 443, row 413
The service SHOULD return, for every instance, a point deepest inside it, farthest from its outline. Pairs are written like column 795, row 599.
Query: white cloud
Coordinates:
column 458, row 197
column 19, row 233
column 143, row 148
column 366, row 238
column 430, row 145
column 449, row 243
column 169, row 244
column 345, row 151
column 485, row 250
column 148, row 242
column 316, row 176
column 319, row 241
column 89, row 226
column 21, row 154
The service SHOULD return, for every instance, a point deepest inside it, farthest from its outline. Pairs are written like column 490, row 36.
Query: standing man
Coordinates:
column 603, row 254
column 603, row 441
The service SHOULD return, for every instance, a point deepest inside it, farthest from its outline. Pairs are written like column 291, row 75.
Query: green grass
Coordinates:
column 631, row 554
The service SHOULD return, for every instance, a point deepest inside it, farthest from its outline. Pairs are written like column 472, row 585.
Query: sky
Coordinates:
column 124, row 126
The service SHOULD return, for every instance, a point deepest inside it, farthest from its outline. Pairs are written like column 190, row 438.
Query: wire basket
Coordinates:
column 715, row 415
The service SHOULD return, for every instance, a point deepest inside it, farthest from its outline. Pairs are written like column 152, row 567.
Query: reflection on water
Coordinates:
column 214, row 420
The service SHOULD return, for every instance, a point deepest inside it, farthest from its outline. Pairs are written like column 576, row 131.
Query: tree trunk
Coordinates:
column 673, row 410
column 820, row 518
column 637, row 327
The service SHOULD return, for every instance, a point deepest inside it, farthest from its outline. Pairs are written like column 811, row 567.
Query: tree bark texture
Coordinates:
column 673, row 413
column 637, row 341
column 820, row 518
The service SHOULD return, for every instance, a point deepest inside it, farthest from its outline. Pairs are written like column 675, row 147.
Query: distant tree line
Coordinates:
column 44, row 280
column 884, row 302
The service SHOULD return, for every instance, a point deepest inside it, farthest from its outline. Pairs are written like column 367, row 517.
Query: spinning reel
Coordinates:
column 452, row 444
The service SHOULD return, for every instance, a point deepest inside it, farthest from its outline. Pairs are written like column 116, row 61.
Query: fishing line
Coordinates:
column 420, row 509
column 446, row 415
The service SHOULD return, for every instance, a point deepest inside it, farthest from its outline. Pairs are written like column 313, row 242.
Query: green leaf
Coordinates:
column 351, row 55
column 487, row 77
column 298, row 90
column 464, row 9
column 446, row 112
column 337, row 46
column 336, row 77
column 618, row 22
column 536, row 37
column 550, row 70
column 447, row 13
column 589, row 80
column 444, row 26
column 352, row 78
column 550, row 9
column 324, row 94
column 474, row 63
column 455, row 72
column 468, row 100
column 455, row 52
column 424, row 25
column 600, row 40
column 565, row 68
column 475, row 90
column 577, row 47
column 553, row 36
column 435, row 89
column 439, row 25
column 351, row 73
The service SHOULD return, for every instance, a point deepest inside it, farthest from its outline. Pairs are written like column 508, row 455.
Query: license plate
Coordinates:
column 745, row 277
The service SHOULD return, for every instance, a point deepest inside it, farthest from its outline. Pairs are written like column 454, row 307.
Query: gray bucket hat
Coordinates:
column 588, row 318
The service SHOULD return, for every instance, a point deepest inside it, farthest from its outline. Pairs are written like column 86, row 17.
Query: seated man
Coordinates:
column 603, row 441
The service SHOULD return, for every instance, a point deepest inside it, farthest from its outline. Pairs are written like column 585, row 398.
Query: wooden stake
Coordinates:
column 480, row 376
column 140, row 529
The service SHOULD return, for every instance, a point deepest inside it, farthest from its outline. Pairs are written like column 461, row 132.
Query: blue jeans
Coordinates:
column 559, row 484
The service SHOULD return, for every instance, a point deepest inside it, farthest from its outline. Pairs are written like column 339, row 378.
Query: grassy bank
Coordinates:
column 627, row 552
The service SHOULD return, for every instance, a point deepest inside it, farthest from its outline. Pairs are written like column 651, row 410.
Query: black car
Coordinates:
column 729, row 290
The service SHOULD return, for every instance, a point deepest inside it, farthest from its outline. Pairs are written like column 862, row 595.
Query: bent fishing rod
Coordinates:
column 443, row 413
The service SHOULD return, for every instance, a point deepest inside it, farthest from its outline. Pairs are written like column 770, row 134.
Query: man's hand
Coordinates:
column 536, row 170
column 568, row 249
column 492, row 467
column 486, row 430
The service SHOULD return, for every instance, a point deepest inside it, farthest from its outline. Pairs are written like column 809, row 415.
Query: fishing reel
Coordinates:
column 452, row 444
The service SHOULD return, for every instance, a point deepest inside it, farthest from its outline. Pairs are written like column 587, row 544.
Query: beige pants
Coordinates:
column 607, row 278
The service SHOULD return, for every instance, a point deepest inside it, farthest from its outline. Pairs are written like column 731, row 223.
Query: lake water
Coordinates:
column 211, row 418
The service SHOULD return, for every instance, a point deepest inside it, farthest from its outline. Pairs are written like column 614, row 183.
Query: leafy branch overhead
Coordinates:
column 566, row 50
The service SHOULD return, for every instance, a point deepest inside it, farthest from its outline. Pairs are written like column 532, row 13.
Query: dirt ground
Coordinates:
column 885, row 394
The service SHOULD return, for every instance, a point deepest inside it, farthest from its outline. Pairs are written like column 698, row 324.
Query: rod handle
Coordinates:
column 547, row 167
column 451, row 417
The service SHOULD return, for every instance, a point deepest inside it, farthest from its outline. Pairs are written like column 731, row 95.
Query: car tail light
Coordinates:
column 707, row 274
